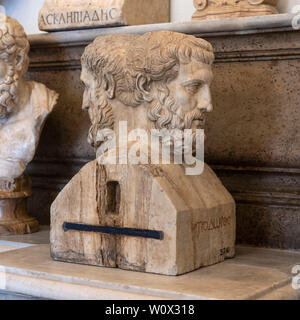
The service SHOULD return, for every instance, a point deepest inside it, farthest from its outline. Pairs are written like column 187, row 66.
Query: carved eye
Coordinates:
column 193, row 87
column 200, row 4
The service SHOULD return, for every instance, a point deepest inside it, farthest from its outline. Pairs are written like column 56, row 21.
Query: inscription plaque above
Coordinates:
column 79, row 14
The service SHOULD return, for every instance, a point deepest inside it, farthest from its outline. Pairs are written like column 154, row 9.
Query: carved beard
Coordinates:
column 101, row 118
column 8, row 95
column 168, row 115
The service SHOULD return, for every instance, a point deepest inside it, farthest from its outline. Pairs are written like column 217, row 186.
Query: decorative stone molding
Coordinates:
column 216, row 9
column 79, row 14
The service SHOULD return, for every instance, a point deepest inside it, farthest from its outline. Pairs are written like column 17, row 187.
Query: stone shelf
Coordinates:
column 207, row 28
column 255, row 273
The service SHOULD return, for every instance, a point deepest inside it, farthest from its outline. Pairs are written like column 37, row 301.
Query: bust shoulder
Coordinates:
column 43, row 99
column 19, row 135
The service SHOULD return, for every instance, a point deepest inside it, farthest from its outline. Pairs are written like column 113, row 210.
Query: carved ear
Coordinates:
column 144, row 88
column 109, row 85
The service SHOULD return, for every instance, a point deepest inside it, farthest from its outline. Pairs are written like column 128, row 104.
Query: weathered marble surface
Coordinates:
column 217, row 9
column 80, row 14
column 159, row 80
column 196, row 214
column 24, row 108
column 256, row 158
column 255, row 274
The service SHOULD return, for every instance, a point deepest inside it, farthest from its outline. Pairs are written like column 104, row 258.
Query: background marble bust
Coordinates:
column 24, row 105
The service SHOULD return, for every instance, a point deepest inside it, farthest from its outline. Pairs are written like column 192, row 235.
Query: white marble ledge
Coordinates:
column 207, row 28
column 40, row 237
column 8, row 247
column 253, row 274
column 15, row 242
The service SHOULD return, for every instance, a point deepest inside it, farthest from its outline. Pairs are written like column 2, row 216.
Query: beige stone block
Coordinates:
column 78, row 14
column 195, row 213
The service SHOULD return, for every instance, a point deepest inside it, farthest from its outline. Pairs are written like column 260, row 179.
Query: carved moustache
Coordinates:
column 186, row 120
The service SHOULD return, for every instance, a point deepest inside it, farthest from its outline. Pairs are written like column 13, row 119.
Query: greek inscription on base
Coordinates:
column 213, row 224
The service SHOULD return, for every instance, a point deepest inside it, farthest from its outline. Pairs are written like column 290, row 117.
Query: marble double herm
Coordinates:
column 159, row 80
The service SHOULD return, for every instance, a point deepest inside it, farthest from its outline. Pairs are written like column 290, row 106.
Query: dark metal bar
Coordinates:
column 142, row 233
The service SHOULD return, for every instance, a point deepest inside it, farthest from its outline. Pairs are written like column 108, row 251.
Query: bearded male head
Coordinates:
column 174, row 75
column 158, row 80
column 104, row 79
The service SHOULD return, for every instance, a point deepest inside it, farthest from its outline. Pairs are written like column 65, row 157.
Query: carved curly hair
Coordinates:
column 120, row 59
column 13, row 41
column 14, row 48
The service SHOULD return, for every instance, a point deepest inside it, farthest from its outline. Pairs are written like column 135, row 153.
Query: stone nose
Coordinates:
column 205, row 102
column 206, row 107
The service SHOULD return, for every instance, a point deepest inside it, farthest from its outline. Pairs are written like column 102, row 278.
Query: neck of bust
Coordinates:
column 23, row 96
column 131, row 117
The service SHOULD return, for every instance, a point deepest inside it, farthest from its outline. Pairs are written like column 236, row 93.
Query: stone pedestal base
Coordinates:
column 13, row 207
column 207, row 9
column 150, row 218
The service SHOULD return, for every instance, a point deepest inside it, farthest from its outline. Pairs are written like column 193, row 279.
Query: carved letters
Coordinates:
column 84, row 17
column 77, row 14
